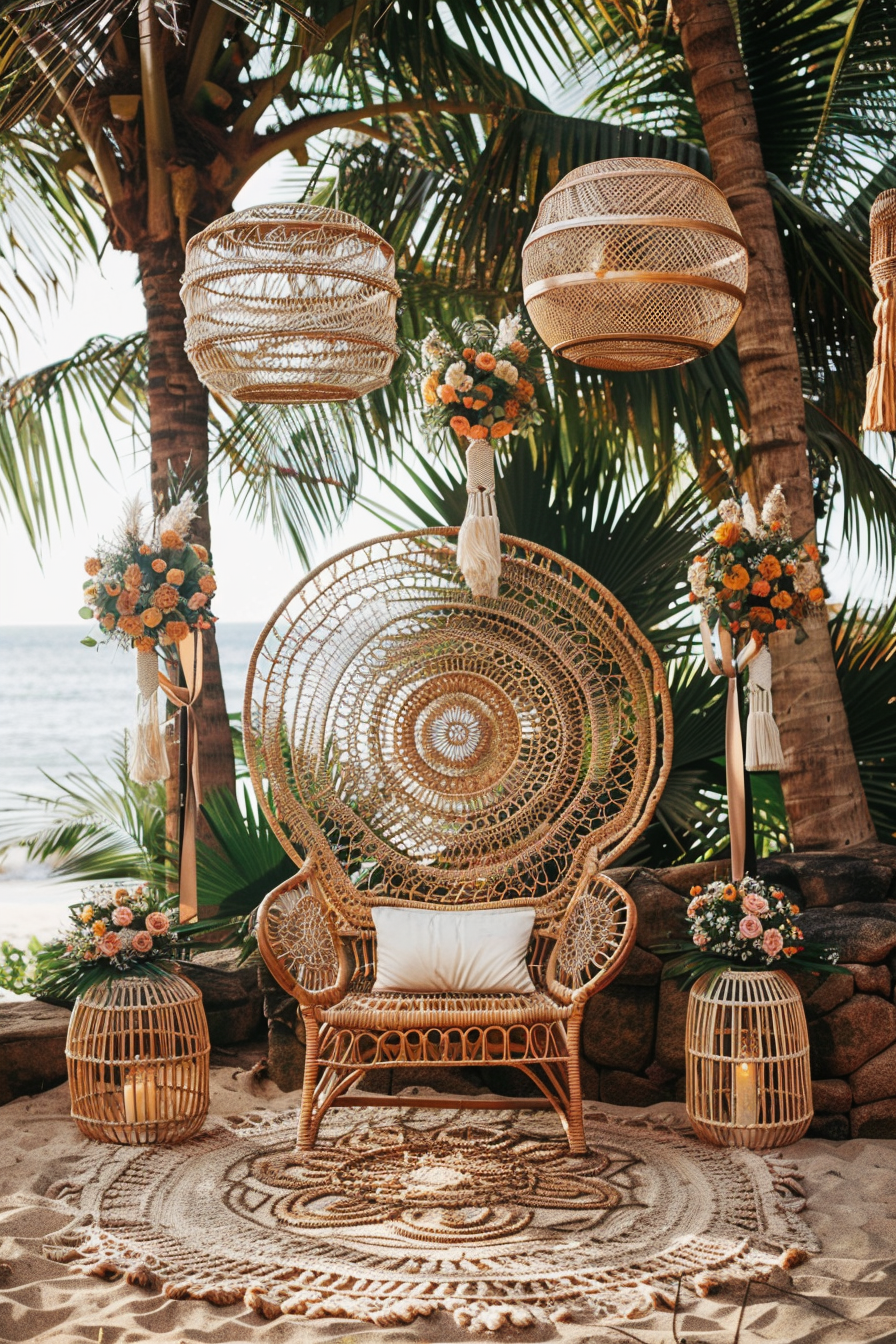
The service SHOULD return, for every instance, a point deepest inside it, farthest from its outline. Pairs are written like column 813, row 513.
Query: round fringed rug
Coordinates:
column 400, row 1214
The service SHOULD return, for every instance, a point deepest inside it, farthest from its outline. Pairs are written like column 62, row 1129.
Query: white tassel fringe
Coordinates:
column 479, row 541
column 147, row 757
column 763, row 741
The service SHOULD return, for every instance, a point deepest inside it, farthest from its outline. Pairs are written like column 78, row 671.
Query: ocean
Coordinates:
column 62, row 708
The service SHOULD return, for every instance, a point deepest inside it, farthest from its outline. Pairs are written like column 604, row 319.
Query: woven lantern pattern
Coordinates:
column 748, row 1081
column 634, row 264
column 138, row 1052
column 880, row 405
column 290, row 304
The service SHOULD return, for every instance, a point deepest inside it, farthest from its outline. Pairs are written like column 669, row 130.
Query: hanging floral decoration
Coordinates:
column 480, row 380
column 751, row 577
column 148, row 590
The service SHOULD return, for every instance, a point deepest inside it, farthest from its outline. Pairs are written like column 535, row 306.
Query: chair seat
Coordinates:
column 398, row 1010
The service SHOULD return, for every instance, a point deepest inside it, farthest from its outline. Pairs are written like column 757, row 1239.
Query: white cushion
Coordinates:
column 453, row 951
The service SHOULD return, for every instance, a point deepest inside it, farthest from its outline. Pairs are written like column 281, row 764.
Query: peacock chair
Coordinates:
column 419, row 747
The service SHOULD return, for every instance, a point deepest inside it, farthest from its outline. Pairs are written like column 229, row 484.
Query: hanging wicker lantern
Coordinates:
column 137, row 1053
column 634, row 264
column 748, row 1082
column 880, row 405
column 290, row 303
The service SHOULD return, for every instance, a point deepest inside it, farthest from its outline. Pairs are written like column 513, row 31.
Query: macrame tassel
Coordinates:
column 763, row 742
column 880, row 403
column 479, row 542
column 147, row 757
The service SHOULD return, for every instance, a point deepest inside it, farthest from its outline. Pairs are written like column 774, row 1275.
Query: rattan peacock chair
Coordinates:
column 414, row 745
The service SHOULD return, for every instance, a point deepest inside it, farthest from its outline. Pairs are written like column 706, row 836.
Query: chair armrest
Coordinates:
column 594, row 940
column 298, row 940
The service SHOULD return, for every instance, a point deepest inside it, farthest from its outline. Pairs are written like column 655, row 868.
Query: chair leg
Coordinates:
column 307, row 1128
column 576, row 1133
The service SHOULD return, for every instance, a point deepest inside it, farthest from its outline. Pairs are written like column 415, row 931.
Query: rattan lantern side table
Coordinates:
column 138, row 1057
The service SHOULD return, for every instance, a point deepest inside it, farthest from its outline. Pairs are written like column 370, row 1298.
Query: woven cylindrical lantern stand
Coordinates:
column 137, row 1053
column 634, row 264
column 290, row 304
column 748, row 1083
column 880, row 404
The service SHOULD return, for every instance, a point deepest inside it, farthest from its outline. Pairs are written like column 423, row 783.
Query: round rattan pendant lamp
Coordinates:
column 289, row 304
column 634, row 264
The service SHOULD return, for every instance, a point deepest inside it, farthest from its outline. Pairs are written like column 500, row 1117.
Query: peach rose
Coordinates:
column 207, row 584
column 478, row 432
column 769, row 567
column 201, row 552
column 755, row 905
column 696, row 906
column 176, row 631
column 736, row 578
column 133, row 576
column 485, row 361
column 159, row 566
column 472, row 404
column 521, row 351
column 145, row 550
column 446, row 394
column 524, row 390
column 175, row 576
column 501, row 428
column 761, row 588
column 157, row 922
column 144, row 644
column 196, row 601
column 469, row 353
column 171, row 540
column 726, row 534
column 461, row 425
column 813, row 552
column 92, row 566
column 165, row 597
column 142, row 941
column 701, row 939
column 127, row 603
column 131, row 625
column 108, row 622
column 123, row 916
column 110, row 946
column 782, row 601
column 749, row 927
column 511, row 408
column 772, row 942
column 151, row 617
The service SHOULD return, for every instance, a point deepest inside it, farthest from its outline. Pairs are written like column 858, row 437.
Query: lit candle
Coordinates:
column 746, row 1094
column 139, row 1096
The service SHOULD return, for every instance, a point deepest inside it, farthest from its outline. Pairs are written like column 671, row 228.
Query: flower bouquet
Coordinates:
column 743, row 925
column 481, row 380
column 117, row 929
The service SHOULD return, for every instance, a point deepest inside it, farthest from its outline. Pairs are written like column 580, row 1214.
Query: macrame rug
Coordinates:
column 399, row 1215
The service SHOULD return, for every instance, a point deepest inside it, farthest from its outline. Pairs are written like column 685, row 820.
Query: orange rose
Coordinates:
column 176, row 631
column 485, row 361
column 99, row 928
column 165, row 597
column 171, row 540
column 127, row 603
column 726, row 534
column 145, row 550
column 469, row 354
column 175, row 576
column 782, row 601
column 108, row 622
column 781, row 623
column 152, row 617
column 461, row 425
column 208, row 584
column 144, row 644
column 511, row 408
column 501, row 428
column 734, row 627
column 521, row 351
column 736, row 578
column 481, row 390
column 790, row 569
column 812, row 552
column 113, row 589
column 446, row 394
column 159, row 566
column 133, row 576
column 816, row 594
column 776, row 525
column 92, row 566
column 760, row 588
column 428, row 389
column 762, row 614
column 478, row 432
column 201, row 552
column 473, row 405
column 196, row 601
column 131, row 625
column 769, row 567
column 524, row 390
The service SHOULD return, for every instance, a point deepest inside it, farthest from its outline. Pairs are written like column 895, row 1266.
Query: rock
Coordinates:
column 877, row 1120
column 501, row 1079
column 832, row 1095
column 852, row 1034
column 459, row 1082
column 660, row 911
column 829, row 992
column 590, row 1077
column 870, row 979
column 286, row 1057
column 885, row 910
column 826, row 878
column 823, row 1126
column 618, row 1027
column 620, row 1088
column 876, row 1079
column 693, row 875
column 641, row 968
column 232, row 1003
column 857, row 938
column 32, row 1048
column 670, row 1026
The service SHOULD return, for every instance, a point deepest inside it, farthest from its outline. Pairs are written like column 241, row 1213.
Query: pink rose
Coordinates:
column 157, row 922
column 756, row 905
column 695, row 906
column 701, row 939
column 110, row 945
column 772, row 942
column 142, row 941
column 123, row 915
column 749, row 927
column 196, row 601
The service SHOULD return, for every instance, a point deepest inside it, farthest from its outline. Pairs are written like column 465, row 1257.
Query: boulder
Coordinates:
column 826, row 878
column 823, row 1126
column 875, row 1079
column 459, row 1082
column 660, row 911
column 877, row 1120
column 828, row 992
column 863, row 938
column 618, row 1027
column 693, row 875
column 832, row 1095
column 670, row 1026
column 286, row 1057
column 870, row 979
column 852, row 1034
column 619, row 1088
column 641, row 968
column 232, row 1002
column 32, row 1048
column 885, row 910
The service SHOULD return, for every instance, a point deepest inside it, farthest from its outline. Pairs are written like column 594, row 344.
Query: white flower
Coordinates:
column 434, row 348
column 508, row 330
column 806, row 577
column 775, row 507
column 456, row 373
column 698, row 578
column 729, row 512
column 179, row 517
column 506, row 372
column 751, row 522
column 465, row 383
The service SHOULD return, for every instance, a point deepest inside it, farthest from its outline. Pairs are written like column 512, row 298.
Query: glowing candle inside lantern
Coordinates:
column 139, row 1096
column 746, row 1093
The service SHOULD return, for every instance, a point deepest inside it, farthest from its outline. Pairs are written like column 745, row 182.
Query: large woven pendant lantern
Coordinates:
column 290, row 303
column 880, row 406
column 634, row 264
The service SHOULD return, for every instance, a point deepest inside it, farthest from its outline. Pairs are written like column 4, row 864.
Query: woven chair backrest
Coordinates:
column 429, row 746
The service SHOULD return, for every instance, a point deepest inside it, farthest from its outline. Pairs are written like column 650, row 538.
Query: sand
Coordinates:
column 845, row 1295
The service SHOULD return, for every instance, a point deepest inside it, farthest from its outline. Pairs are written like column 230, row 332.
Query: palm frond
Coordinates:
column 865, row 651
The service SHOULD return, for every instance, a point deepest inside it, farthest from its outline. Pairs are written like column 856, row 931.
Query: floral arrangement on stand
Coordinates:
column 743, row 925
column 115, row 929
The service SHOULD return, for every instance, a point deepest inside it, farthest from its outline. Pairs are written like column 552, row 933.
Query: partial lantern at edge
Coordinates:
column 290, row 304
column 634, row 264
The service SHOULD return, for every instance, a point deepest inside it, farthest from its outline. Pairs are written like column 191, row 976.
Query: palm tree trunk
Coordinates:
column 823, row 792
column 178, row 426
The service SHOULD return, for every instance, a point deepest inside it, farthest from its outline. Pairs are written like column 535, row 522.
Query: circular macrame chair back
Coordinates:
column 427, row 745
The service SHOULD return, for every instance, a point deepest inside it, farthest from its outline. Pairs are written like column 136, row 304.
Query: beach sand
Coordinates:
column 846, row 1294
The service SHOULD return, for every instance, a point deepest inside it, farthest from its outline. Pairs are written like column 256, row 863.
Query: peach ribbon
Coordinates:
column 734, row 747
column 189, row 652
